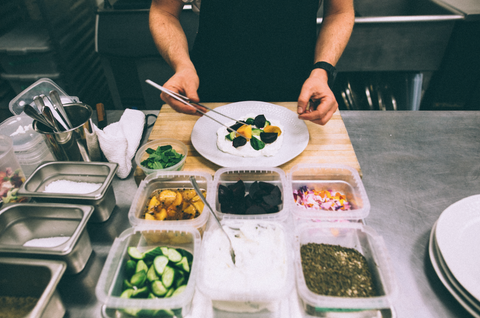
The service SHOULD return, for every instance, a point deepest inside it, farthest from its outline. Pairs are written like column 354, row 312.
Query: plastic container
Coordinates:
column 337, row 178
column 26, row 50
column 350, row 235
column 29, row 146
column 257, row 288
column 249, row 175
column 110, row 282
column 11, row 174
column 168, row 180
column 179, row 147
column 41, row 86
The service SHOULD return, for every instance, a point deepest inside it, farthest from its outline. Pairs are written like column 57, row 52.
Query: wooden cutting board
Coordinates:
column 327, row 144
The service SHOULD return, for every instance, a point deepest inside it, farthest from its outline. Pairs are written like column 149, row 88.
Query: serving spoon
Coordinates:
column 197, row 189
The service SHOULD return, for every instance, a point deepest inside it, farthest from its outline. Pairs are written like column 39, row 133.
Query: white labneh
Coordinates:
column 247, row 150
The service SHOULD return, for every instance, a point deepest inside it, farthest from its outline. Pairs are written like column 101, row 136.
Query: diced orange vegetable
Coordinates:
column 273, row 129
column 246, row 131
column 148, row 216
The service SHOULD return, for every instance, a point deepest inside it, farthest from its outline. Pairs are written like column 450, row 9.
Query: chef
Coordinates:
column 265, row 50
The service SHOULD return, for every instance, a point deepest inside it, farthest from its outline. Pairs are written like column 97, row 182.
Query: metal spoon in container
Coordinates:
column 56, row 115
column 197, row 189
column 57, row 104
column 30, row 111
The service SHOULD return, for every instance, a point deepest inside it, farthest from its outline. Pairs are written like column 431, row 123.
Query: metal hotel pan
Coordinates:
column 77, row 144
column 22, row 222
column 103, row 199
column 33, row 278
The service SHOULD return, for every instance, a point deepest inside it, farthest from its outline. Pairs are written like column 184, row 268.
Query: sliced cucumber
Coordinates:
column 158, row 288
column 127, row 293
column 164, row 250
column 168, row 276
column 173, row 255
column 187, row 254
column 231, row 136
column 151, row 296
column 141, row 266
column 183, row 264
column 152, row 274
column 180, row 279
column 154, row 252
column 169, row 292
column 256, row 131
column 141, row 292
column 134, row 253
column 138, row 279
column 165, row 313
column 159, row 263
column 130, row 268
column 179, row 290
column 127, row 284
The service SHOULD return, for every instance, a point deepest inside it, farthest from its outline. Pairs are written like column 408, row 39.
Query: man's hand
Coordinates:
column 184, row 82
column 316, row 102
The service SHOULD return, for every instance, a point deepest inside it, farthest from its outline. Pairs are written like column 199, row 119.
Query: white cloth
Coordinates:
column 119, row 141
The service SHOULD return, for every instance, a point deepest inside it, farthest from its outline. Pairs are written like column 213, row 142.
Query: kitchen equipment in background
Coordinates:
column 379, row 90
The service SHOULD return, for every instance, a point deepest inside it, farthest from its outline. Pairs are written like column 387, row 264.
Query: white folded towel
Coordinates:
column 119, row 141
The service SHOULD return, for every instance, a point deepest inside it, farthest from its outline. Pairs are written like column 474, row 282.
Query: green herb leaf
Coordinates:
column 257, row 144
column 162, row 157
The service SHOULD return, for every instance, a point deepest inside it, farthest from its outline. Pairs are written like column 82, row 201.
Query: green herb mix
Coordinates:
column 333, row 270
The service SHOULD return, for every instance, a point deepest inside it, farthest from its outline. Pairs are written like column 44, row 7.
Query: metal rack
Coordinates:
column 71, row 27
column 10, row 15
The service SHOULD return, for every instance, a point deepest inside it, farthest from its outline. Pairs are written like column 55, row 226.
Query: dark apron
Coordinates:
column 254, row 49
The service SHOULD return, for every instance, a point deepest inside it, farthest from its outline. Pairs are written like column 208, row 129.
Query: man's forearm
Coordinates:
column 168, row 33
column 337, row 26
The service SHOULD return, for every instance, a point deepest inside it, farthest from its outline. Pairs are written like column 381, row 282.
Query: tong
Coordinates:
column 185, row 100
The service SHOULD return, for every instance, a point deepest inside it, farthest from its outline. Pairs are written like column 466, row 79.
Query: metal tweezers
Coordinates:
column 186, row 101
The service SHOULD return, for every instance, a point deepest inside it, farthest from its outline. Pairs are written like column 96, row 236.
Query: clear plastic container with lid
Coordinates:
column 29, row 146
column 154, row 183
column 228, row 177
column 348, row 235
column 322, row 178
column 263, row 276
column 41, row 86
column 11, row 174
column 111, row 282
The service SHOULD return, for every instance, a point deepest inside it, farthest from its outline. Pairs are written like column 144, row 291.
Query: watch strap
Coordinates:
column 330, row 69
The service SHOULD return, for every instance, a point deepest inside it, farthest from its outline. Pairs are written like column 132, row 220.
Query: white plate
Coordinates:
column 204, row 134
column 458, row 239
column 435, row 259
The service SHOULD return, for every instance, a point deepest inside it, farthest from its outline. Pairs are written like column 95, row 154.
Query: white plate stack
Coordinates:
column 454, row 250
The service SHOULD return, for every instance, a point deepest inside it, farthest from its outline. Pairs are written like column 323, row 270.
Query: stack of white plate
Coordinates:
column 454, row 250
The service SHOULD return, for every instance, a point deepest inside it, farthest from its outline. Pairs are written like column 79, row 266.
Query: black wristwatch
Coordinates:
column 331, row 71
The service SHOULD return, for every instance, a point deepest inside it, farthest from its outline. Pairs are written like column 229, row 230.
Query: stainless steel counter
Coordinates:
column 415, row 164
